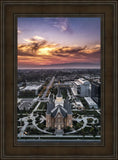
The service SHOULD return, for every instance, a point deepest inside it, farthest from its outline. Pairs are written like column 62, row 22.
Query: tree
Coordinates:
column 50, row 129
column 83, row 132
column 29, row 120
column 67, row 129
column 90, row 120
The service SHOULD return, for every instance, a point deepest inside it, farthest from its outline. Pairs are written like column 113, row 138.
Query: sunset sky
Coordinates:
column 58, row 42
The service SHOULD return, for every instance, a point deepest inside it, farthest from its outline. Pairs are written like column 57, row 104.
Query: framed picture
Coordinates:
column 59, row 80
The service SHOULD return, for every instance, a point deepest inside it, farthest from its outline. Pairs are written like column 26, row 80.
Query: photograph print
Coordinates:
column 59, row 79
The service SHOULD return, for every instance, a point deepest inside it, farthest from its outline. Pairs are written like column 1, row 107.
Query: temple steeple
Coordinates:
column 59, row 92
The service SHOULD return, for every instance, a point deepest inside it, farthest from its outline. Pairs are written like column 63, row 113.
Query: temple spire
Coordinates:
column 59, row 91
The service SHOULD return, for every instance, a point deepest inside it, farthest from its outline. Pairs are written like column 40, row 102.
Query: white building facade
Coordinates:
column 82, row 87
column 30, row 89
column 90, row 102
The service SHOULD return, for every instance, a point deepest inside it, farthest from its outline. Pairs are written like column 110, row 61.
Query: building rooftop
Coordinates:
column 81, row 81
column 79, row 103
column 19, row 100
column 32, row 87
column 59, row 109
column 90, row 101
column 63, row 109
column 59, row 92
column 50, row 106
column 77, row 83
column 25, row 105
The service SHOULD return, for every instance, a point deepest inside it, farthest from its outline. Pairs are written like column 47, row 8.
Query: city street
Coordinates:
column 25, row 120
column 32, row 117
column 48, row 87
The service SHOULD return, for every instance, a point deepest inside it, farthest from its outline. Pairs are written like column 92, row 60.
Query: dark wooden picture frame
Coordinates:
column 71, row 150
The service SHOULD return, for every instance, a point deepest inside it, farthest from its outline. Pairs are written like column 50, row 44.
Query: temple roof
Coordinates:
column 63, row 109
column 69, row 109
column 59, row 92
column 50, row 106
column 59, row 109
column 67, row 106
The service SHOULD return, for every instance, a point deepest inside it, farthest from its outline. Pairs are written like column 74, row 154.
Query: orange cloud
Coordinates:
column 37, row 51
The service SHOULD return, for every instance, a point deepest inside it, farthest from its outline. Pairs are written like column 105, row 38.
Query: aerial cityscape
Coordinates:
column 59, row 79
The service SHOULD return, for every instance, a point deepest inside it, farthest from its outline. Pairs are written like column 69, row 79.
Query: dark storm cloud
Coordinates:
column 77, row 52
column 31, row 48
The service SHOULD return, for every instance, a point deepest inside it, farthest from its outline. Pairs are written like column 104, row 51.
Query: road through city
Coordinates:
column 48, row 87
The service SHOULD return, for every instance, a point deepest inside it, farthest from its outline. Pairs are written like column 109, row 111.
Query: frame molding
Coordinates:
column 9, row 150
